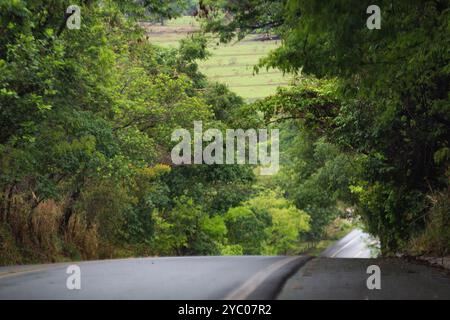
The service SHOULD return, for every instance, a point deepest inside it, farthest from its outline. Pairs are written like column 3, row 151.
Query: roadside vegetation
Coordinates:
column 86, row 118
column 85, row 170
column 378, row 98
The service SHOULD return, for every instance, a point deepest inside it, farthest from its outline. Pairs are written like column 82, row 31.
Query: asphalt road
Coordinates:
column 346, row 279
column 340, row 273
column 245, row 277
column 356, row 244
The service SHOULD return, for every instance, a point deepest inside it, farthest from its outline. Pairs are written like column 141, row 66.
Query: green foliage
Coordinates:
column 223, row 101
column 288, row 223
column 314, row 102
column 186, row 229
column 267, row 223
column 86, row 118
column 390, row 107
column 159, row 10
column 232, row 250
column 435, row 239
column 247, row 228
column 315, row 175
column 231, row 19
column 9, row 253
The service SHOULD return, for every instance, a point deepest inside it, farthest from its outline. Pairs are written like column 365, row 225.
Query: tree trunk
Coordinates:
column 68, row 212
column 7, row 209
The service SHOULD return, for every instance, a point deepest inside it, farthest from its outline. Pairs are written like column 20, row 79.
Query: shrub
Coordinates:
column 435, row 239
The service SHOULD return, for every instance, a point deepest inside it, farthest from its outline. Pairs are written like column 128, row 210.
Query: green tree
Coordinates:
column 187, row 229
column 86, row 118
column 393, row 91
column 288, row 223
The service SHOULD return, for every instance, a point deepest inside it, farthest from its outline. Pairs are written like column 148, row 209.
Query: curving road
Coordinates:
column 340, row 273
column 356, row 244
column 243, row 277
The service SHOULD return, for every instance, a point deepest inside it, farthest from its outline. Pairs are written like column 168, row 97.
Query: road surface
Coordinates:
column 243, row 277
column 341, row 273
column 346, row 279
column 356, row 244
column 337, row 274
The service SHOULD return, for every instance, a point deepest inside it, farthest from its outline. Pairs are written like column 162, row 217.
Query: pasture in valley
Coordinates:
column 232, row 63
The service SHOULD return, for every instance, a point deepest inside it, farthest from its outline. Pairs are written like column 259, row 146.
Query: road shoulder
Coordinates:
column 346, row 278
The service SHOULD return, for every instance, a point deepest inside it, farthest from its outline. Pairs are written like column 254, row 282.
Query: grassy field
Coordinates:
column 231, row 64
